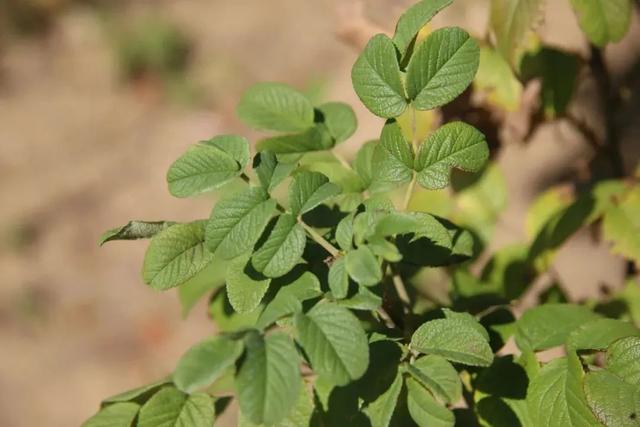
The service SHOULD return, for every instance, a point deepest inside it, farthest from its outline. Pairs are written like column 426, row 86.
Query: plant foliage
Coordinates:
column 312, row 265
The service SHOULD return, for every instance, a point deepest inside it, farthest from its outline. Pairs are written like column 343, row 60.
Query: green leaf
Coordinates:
column 363, row 164
column 559, row 73
column 344, row 232
column 138, row 394
column 317, row 138
column 364, row 300
column 555, row 397
column 300, row 415
column 438, row 376
column 289, row 299
column 340, row 120
column 134, row 230
column 393, row 157
column 207, row 280
column 622, row 226
column 208, row 165
column 268, row 380
column 511, row 22
column 271, row 172
column 412, row 21
column 339, row 279
column 116, row 415
column 381, row 410
column 335, row 342
column 237, row 222
column 175, row 255
column 454, row 339
column 441, row 68
column 549, row 325
column 469, row 319
column 603, row 21
column 376, row 78
column 205, row 362
column 424, row 409
column 283, row 248
column 599, row 334
column 614, row 402
column 363, row 266
column 454, row 145
column 275, row 106
column 171, row 408
column 244, row 289
column 496, row 78
column 308, row 190
column 623, row 359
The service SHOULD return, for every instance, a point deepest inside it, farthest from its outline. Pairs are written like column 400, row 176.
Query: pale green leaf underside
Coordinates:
column 282, row 249
column 455, row 145
column 340, row 120
column 441, row 68
column 244, row 291
column 237, row 222
column 134, row 230
column 599, row 334
column 308, row 190
column 339, row 279
column 393, row 157
column 363, row 267
column 438, row 376
column 555, row 397
column 172, row 408
column 376, row 78
column 603, row 21
column 549, row 325
column 412, row 21
column 511, row 21
column 455, row 340
column 205, row 362
column 424, row 409
column 116, row 415
column 208, row 165
column 268, row 381
column 275, row 106
column 335, row 342
column 175, row 255
column 614, row 402
column 623, row 359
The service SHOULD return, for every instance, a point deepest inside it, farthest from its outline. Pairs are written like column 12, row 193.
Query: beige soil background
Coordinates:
column 81, row 151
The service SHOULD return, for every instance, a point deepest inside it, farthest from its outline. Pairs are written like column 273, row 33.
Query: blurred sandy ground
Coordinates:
column 81, row 151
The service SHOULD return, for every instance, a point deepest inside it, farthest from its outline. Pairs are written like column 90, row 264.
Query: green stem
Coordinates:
column 320, row 240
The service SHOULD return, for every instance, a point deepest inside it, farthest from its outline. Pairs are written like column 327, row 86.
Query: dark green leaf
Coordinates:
column 116, row 415
column 270, row 171
column 424, row 409
column 308, row 190
column 237, row 222
column 416, row 17
column 441, row 68
column 283, row 248
column 175, row 255
column 438, row 376
column 393, row 157
column 205, row 362
column 268, row 380
column 170, row 408
column 335, row 342
column 455, row 145
column 381, row 410
column 376, row 78
column 454, row 339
